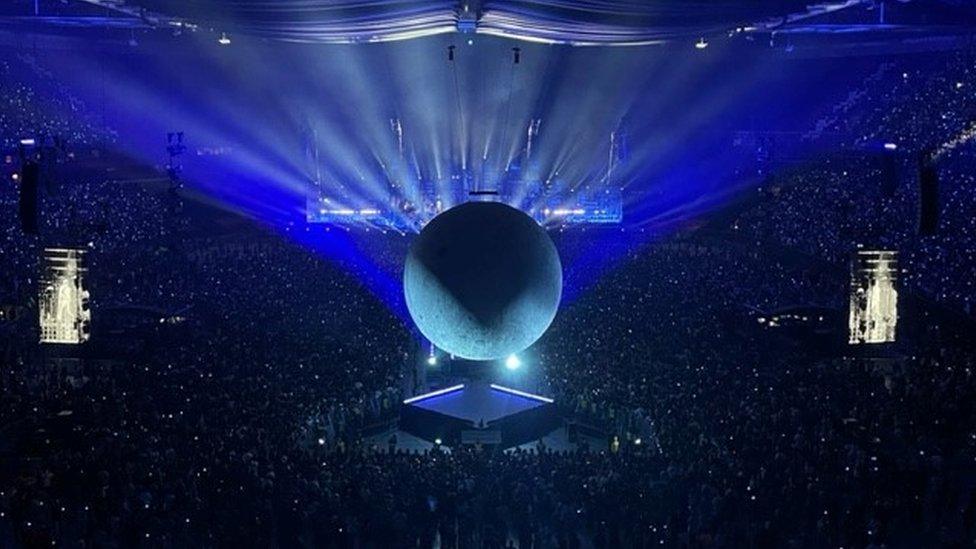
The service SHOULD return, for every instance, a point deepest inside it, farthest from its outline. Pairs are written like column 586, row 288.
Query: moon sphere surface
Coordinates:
column 482, row 281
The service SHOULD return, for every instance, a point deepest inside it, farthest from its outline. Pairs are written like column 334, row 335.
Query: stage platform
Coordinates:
column 480, row 413
column 555, row 441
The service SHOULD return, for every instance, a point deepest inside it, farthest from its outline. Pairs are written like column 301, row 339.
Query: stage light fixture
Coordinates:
column 516, row 392
column 224, row 40
column 513, row 362
column 701, row 44
column 432, row 360
column 433, row 394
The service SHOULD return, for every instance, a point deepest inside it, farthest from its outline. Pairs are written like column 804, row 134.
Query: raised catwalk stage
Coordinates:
column 479, row 412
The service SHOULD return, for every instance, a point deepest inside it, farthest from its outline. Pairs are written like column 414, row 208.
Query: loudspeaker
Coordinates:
column 928, row 199
column 29, row 175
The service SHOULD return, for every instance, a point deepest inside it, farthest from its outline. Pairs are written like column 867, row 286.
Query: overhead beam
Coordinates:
column 151, row 18
column 815, row 10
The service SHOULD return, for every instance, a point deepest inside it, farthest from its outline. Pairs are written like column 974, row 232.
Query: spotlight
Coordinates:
column 224, row 39
column 437, row 441
column 701, row 44
column 513, row 362
column 637, row 441
column 432, row 360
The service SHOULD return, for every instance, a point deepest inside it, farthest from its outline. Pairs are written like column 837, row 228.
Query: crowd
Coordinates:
column 242, row 425
column 246, row 429
column 35, row 105
column 264, row 377
column 786, row 449
column 829, row 208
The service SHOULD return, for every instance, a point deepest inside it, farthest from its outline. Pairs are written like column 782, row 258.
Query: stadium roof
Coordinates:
column 577, row 22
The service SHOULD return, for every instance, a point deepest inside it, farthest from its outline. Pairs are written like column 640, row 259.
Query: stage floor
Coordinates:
column 479, row 403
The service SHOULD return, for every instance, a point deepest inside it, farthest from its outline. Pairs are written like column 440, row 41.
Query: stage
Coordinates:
column 479, row 413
